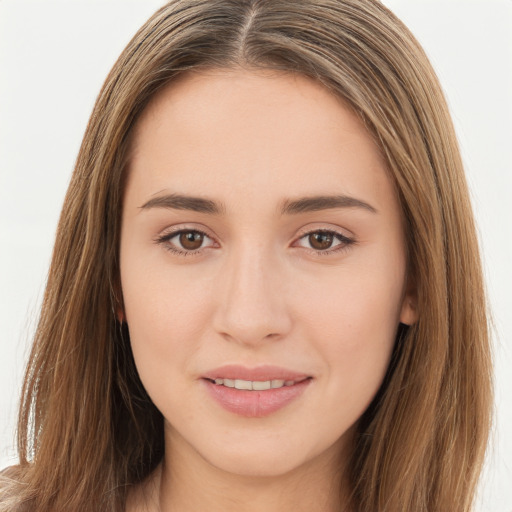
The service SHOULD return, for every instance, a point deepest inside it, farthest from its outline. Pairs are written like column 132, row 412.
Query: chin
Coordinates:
column 265, row 455
column 259, row 465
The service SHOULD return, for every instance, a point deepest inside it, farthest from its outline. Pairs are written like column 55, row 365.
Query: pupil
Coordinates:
column 191, row 240
column 320, row 240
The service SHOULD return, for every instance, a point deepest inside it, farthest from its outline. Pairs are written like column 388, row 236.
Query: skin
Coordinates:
column 256, row 291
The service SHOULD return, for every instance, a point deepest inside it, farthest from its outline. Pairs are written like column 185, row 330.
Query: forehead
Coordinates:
column 269, row 131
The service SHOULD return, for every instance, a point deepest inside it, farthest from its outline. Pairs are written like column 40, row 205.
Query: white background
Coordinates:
column 54, row 56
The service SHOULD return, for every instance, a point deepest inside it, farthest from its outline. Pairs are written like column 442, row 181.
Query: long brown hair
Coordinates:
column 88, row 431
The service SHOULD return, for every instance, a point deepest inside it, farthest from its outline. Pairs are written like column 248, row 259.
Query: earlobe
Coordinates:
column 409, row 311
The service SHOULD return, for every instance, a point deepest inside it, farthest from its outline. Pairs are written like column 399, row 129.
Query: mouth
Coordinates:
column 255, row 392
column 255, row 385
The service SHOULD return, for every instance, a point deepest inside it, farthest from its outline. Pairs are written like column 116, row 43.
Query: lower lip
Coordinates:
column 255, row 404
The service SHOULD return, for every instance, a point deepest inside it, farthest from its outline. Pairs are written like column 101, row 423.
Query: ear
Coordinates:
column 409, row 310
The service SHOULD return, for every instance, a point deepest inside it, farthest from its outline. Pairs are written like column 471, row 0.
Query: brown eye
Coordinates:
column 185, row 242
column 191, row 240
column 325, row 241
column 320, row 240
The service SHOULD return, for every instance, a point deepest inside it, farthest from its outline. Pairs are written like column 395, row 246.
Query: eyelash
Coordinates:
column 345, row 242
column 166, row 238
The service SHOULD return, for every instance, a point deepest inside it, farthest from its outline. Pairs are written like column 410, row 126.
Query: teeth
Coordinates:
column 261, row 386
column 256, row 385
column 243, row 384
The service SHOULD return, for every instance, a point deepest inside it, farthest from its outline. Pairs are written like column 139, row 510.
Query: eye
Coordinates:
column 324, row 241
column 185, row 241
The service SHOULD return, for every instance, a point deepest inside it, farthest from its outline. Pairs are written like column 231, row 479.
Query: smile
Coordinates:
column 254, row 385
column 255, row 392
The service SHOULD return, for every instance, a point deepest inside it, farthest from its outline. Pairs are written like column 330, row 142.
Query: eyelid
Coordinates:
column 345, row 240
column 325, row 228
column 167, row 234
column 164, row 237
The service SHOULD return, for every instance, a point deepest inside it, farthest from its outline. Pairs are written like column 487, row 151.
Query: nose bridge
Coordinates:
column 252, row 300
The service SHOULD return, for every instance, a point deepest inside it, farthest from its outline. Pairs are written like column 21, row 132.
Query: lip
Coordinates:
column 255, row 404
column 261, row 373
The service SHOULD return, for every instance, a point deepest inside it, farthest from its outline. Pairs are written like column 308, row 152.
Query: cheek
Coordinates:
column 353, row 322
column 166, row 327
column 360, row 305
column 167, row 314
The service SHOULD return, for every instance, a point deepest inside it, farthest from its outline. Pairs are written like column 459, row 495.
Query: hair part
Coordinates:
column 88, row 431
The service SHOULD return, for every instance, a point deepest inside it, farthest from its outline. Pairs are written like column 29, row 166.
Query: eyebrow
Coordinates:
column 182, row 202
column 289, row 207
column 317, row 203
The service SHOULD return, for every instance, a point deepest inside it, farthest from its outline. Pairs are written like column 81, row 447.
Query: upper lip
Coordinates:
column 258, row 373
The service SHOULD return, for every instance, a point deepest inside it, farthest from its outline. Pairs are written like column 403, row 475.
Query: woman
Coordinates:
column 258, row 296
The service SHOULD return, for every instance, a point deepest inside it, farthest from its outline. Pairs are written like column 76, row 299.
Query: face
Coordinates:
column 261, row 247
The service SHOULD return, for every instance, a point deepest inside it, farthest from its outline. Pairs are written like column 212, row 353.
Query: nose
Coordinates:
column 252, row 296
